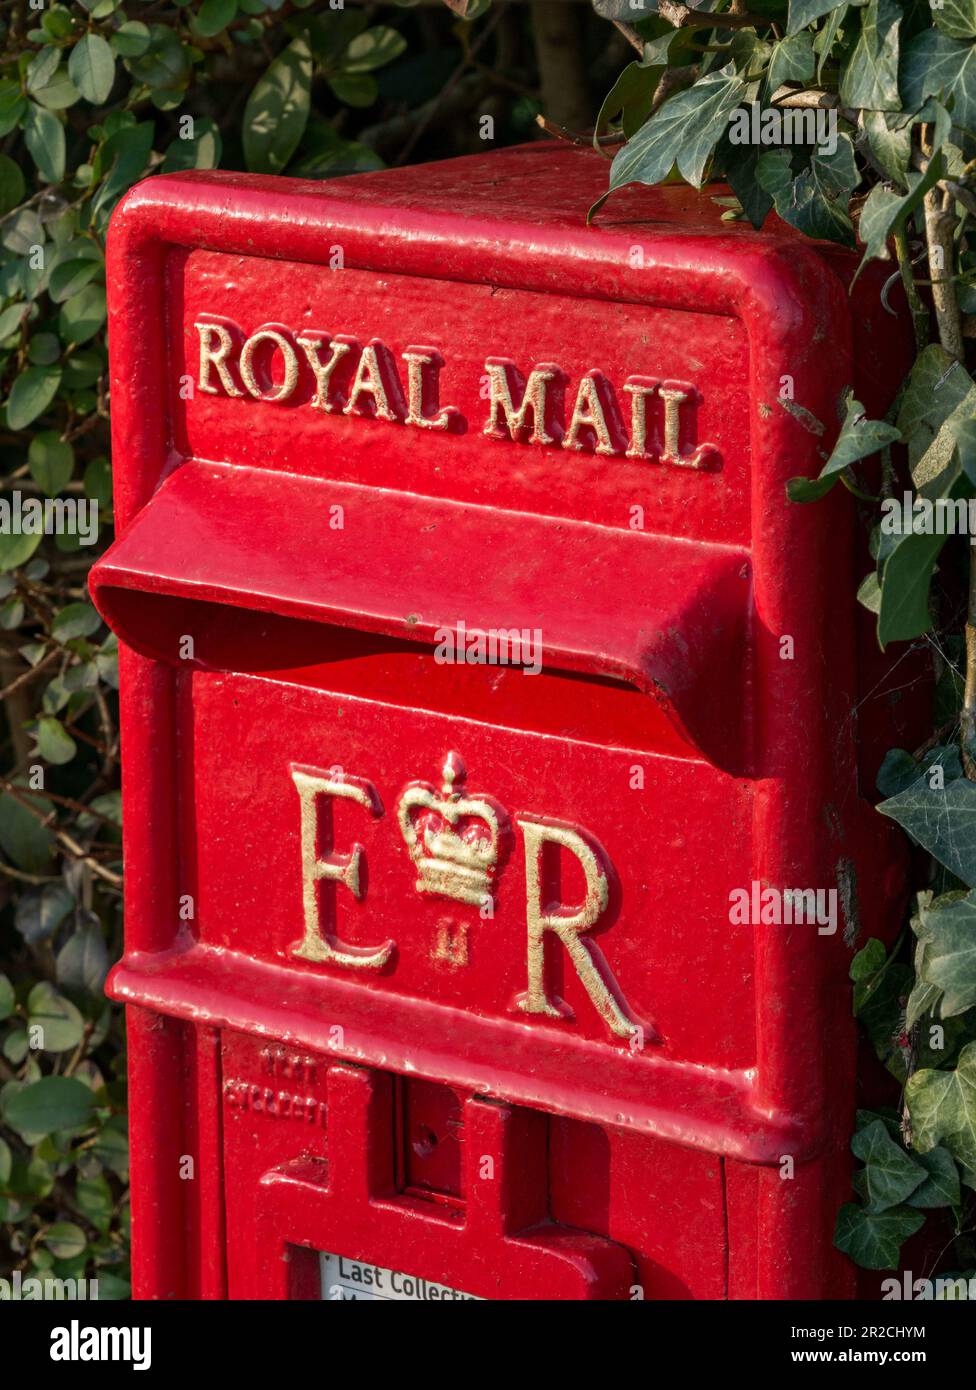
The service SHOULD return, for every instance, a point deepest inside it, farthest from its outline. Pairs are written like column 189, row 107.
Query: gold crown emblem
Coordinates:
column 455, row 840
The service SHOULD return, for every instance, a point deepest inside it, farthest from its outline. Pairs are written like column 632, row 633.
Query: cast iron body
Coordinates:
column 431, row 964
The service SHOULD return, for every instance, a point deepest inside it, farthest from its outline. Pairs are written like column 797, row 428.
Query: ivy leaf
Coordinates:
column 277, row 110
column 738, row 163
column 31, row 394
column 870, row 79
column 923, row 998
column 874, row 1239
column 804, row 12
column 889, row 135
column 827, row 37
column 903, row 612
column 942, row 1106
column 44, row 138
column 684, row 131
column 868, row 960
column 949, row 958
column 941, row 1187
column 965, row 439
column 865, row 969
column 942, row 822
column 890, row 1174
column 885, row 212
column 91, row 68
column 792, row 60
column 939, row 391
column 7, row 1003
column 630, row 98
column 899, row 770
column 50, row 1104
column 940, row 472
column 859, row 438
column 112, row 1288
column 816, row 200
column 957, row 18
column 879, row 1009
column 935, row 65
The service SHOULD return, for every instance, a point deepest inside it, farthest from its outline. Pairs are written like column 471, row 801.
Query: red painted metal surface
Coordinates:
column 502, row 1032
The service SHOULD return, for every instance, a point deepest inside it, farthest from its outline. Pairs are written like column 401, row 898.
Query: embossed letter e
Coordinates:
column 316, row 944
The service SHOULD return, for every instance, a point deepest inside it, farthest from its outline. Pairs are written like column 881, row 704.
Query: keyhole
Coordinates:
column 425, row 1143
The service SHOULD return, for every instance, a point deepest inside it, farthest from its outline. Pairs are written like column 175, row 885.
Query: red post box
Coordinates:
column 495, row 838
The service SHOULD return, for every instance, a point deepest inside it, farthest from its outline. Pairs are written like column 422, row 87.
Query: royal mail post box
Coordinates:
column 490, row 727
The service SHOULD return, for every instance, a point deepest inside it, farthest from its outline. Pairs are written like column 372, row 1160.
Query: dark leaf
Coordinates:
column 50, row 1104
column 277, row 110
column 874, row 1240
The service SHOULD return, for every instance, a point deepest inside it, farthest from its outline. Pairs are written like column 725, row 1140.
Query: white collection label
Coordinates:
column 354, row 1279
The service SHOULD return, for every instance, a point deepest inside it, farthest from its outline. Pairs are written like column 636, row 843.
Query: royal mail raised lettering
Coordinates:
column 342, row 376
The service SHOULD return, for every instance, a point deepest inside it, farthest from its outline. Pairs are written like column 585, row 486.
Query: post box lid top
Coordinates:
column 473, row 216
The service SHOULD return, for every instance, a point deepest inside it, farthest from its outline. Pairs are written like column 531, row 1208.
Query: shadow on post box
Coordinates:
column 494, row 843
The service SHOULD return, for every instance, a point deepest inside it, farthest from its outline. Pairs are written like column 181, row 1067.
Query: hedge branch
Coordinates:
column 683, row 17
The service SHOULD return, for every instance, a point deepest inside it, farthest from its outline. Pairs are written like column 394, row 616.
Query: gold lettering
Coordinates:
column 335, row 868
column 589, row 412
column 567, row 926
column 674, row 394
column 417, row 358
column 639, row 388
column 369, row 381
column 211, row 356
column 310, row 344
column 535, row 398
column 284, row 389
